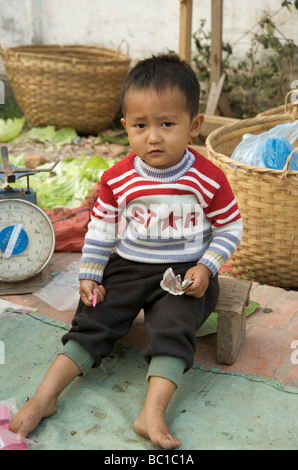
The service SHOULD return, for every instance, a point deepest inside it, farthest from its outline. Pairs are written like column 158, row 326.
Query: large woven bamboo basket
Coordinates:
column 268, row 203
column 67, row 86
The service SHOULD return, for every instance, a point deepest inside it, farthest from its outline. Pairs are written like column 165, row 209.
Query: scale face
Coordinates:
column 27, row 240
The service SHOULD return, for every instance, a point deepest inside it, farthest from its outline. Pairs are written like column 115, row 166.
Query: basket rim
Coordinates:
column 33, row 51
column 284, row 108
column 255, row 123
column 277, row 110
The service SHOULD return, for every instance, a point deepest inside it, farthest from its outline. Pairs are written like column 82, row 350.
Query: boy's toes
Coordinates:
column 167, row 441
column 16, row 426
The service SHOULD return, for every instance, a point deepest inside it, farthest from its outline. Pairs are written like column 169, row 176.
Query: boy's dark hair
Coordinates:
column 160, row 72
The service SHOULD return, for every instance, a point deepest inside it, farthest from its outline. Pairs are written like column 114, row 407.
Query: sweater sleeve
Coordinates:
column 101, row 235
column 227, row 228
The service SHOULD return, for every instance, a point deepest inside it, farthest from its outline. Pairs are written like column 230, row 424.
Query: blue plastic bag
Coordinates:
column 276, row 152
column 269, row 149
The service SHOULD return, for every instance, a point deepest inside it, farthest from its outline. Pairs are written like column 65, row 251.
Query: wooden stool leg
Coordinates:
column 231, row 331
column 231, row 328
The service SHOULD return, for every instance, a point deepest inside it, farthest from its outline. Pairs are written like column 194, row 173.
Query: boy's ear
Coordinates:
column 123, row 122
column 196, row 125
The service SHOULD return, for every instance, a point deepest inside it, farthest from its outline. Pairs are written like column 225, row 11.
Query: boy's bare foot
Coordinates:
column 153, row 426
column 30, row 415
column 44, row 403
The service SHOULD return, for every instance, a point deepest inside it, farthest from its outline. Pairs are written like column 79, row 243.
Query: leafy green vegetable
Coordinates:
column 94, row 164
column 49, row 134
column 11, row 128
column 64, row 136
column 41, row 134
column 210, row 325
column 68, row 184
column 114, row 139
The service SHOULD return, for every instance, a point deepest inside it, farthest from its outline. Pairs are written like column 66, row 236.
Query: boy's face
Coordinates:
column 159, row 126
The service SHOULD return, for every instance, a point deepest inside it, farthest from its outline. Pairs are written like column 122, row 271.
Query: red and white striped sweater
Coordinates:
column 183, row 213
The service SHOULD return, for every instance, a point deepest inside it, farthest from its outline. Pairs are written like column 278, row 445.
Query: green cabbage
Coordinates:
column 68, row 183
column 11, row 128
column 49, row 134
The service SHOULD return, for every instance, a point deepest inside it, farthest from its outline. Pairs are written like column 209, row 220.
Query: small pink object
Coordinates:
column 11, row 445
column 9, row 440
column 94, row 300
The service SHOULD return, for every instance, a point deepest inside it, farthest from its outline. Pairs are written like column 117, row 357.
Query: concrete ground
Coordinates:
column 270, row 348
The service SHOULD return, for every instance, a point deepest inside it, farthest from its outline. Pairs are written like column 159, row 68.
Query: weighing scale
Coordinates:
column 27, row 238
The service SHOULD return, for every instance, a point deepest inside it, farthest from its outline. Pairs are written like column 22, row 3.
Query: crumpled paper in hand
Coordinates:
column 173, row 284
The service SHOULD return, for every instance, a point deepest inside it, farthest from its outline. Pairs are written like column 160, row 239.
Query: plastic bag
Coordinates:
column 269, row 149
column 276, row 152
column 63, row 292
column 8, row 309
column 8, row 439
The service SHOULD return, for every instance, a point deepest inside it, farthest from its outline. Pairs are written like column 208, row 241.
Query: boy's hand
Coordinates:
column 88, row 289
column 200, row 274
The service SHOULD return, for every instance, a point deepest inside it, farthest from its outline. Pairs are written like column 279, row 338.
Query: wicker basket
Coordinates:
column 268, row 203
column 67, row 86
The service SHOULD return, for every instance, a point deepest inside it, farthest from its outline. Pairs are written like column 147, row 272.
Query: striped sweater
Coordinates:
column 183, row 213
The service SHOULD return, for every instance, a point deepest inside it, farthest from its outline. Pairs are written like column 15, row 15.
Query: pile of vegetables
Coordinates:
column 70, row 181
column 68, row 184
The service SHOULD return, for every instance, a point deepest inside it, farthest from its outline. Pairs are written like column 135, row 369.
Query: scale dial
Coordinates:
column 27, row 240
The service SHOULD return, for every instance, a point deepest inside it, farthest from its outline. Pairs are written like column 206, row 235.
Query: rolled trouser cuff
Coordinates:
column 78, row 354
column 167, row 367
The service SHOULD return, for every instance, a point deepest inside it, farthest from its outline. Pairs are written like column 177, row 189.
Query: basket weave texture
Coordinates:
column 67, row 86
column 283, row 109
column 268, row 203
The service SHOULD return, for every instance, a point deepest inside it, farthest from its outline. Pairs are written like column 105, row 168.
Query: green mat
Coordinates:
column 210, row 410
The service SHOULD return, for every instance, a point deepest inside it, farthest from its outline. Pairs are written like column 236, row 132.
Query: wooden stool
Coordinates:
column 231, row 328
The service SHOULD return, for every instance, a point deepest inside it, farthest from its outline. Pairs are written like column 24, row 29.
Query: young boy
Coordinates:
column 164, row 205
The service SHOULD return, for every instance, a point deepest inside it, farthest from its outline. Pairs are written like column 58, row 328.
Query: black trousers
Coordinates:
column 170, row 321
